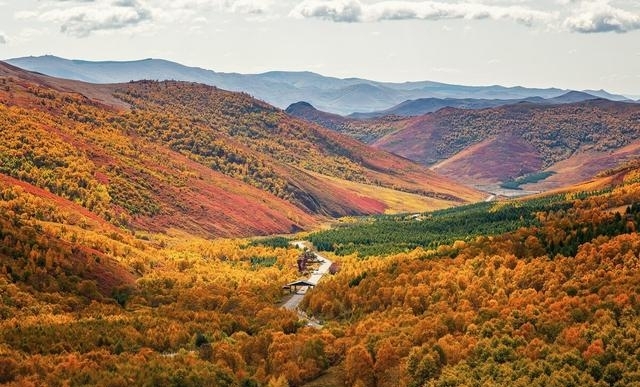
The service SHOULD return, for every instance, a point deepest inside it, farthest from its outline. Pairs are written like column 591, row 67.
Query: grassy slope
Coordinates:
column 392, row 201
column 147, row 186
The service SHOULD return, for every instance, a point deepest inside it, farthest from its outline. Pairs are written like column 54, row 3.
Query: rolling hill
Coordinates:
column 368, row 127
column 422, row 106
column 366, row 131
column 282, row 88
column 160, row 155
column 571, row 142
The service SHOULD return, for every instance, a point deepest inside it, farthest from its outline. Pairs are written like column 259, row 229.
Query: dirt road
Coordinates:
column 314, row 278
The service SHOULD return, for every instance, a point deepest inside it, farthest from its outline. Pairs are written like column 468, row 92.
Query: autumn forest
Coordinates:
column 145, row 239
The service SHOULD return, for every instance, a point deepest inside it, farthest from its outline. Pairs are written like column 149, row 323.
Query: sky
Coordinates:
column 571, row 44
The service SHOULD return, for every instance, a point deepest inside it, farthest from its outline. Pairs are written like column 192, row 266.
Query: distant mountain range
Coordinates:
column 282, row 88
column 368, row 127
column 422, row 106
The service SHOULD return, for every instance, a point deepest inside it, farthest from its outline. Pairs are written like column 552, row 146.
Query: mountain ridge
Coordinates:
column 428, row 105
column 366, row 131
column 279, row 88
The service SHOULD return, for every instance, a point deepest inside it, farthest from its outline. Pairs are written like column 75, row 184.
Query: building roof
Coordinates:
column 300, row 283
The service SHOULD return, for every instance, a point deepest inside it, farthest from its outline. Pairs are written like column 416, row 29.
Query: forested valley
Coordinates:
column 129, row 255
column 552, row 302
column 548, row 297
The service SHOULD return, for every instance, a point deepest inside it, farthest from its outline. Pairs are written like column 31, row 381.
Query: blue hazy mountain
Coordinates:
column 418, row 107
column 282, row 88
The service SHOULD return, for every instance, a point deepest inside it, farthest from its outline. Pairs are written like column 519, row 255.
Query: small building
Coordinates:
column 292, row 287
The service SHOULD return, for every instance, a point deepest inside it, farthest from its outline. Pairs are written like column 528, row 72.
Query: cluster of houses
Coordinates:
column 306, row 258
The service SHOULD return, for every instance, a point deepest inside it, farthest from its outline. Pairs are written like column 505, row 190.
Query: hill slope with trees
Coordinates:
column 545, row 297
column 552, row 302
column 154, row 156
column 366, row 131
column 573, row 140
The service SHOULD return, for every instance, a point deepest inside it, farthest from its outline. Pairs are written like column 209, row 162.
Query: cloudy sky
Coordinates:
column 577, row 44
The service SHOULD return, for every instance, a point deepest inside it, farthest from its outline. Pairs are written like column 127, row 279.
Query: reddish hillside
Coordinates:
column 583, row 166
column 155, row 156
column 40, row 258
column 495, row 157
column 496, row 145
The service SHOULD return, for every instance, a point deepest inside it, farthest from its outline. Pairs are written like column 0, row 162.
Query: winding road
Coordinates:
column 314, row 278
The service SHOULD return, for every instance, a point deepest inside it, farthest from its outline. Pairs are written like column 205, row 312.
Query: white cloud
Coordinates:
column 3, row 38
column 600, row 16
column 335, row 10
column 192, row 11
column 583, row 16
column 356, row 11
column 81, row 18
